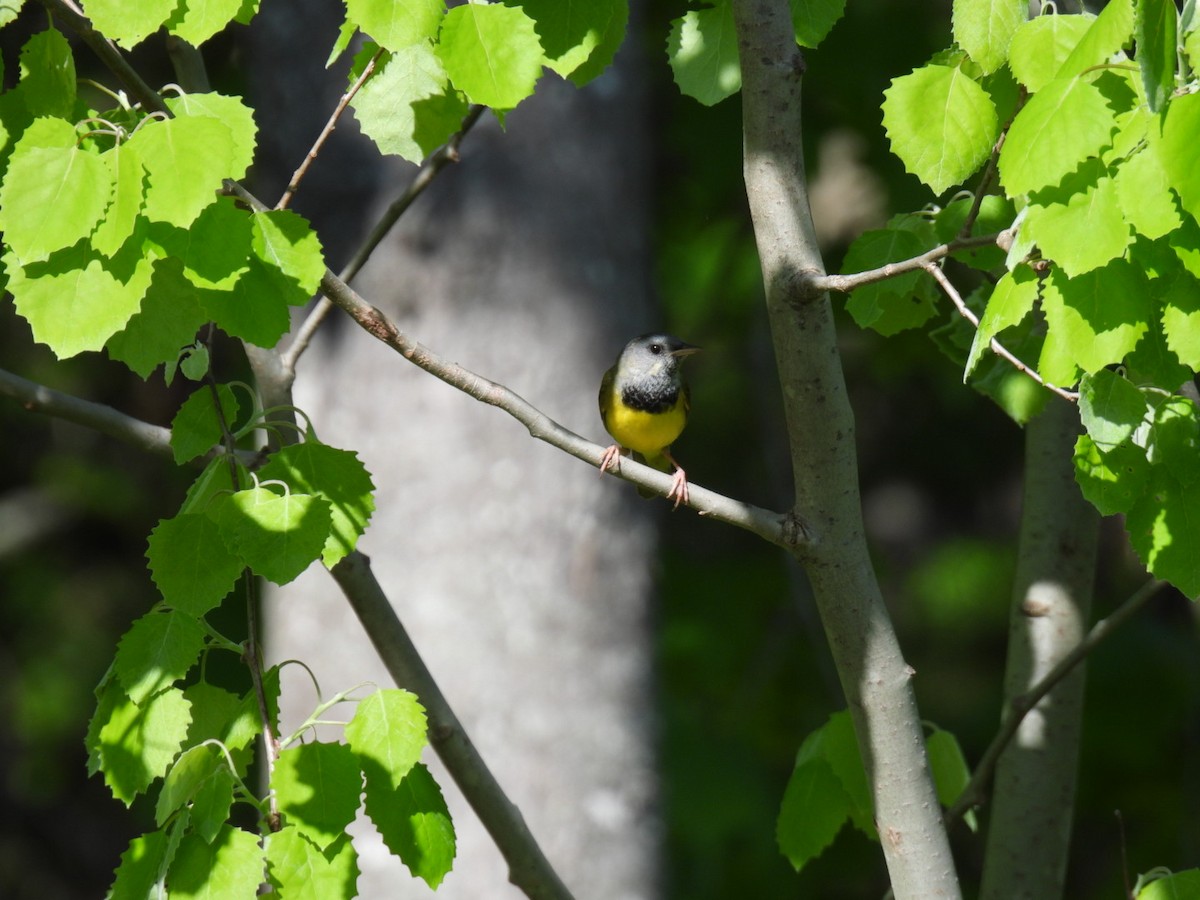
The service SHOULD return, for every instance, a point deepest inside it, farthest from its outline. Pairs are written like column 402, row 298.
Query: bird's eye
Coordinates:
column 656, row 349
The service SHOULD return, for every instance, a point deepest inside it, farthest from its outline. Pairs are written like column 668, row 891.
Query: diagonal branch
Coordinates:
column 528, row 868
column 784, row 530
column 973, row 793
column 311, row 156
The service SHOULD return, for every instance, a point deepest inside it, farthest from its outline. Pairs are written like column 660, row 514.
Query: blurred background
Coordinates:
column 739, row 668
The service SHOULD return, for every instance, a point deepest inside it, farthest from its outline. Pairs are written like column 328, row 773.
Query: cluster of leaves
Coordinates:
column 1088, row 151
column 120, row 235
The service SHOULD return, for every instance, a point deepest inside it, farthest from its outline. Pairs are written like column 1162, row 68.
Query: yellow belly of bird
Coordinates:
column 646, row 433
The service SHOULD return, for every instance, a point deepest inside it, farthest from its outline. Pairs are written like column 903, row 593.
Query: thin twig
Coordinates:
column 846, row 283
column 1021, row 706
column 433, row 164
column 997, row 348
column 312, row 154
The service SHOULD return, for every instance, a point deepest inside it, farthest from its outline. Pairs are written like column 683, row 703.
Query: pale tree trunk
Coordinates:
column 874, row 676
column 523, row 577
column 1033, row 797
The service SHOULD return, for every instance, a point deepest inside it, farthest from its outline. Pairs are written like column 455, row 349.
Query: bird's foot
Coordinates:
column 611, row 459
column 679, row 488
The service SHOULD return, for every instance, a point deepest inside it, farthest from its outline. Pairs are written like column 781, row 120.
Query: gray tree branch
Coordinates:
column 874, row 676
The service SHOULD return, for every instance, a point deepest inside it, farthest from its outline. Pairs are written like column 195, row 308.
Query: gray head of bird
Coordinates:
column 651, row 355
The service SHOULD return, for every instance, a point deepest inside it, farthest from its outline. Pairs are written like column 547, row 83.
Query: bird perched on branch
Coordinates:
column 644, row 403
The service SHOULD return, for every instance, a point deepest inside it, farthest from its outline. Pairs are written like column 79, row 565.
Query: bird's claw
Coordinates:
column 679, row 488
column 611, row 459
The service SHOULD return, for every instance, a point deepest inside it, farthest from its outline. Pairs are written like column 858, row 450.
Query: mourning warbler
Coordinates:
column 644, row 403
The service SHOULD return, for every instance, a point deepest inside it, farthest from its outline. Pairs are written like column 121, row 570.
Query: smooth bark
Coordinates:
column 1034, row 791
column 874, row 676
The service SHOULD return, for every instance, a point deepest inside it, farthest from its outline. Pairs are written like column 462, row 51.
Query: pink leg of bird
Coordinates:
column 611, row 459
column 679, row 487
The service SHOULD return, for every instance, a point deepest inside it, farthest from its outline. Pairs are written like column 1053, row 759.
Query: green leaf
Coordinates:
column 290, row 252
column 491, row 54
column 129, row 23
column 218, row 715
column 157, row 651
column 1111, row 481
column 396, row 24
column 571, row 31
column 1065, row 122
column 137, row 743
column 893, row 304
column 185, row 158
column 229, row 111
column 1181, row 318
column 196, row 428
column 702, row 50
column 195, row 766
column 1177, row 886
column 941, row 123
column 1177, row 150
column 127, row 174
column 195, row 21
column 414, row 823
column 388, row 733
column 1164, row 528
column 276, row 536
column 985, row 28
column 229, row 868
column 301, row 871
column 1012, row 300
column 1153, row 361
column 336, row 475
column 51, row 198
column 318, row 787
column 253, row 309
column 214, row 249
column 1084, row 203
column 1155, row 25
column 951, row 774
column 1041, row 45
column 814, row 19
column 1145, row 196
column 73, row 304
column 836, row 744
column 813, row 811
column 190, row 563
column 1108, row 33
column 168, row 319
column 142, row 868
column 610, row 42
column 1096, row 318
column 1175, row 439
column 47, row 86
column 408, row 107
column 1111, row 408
